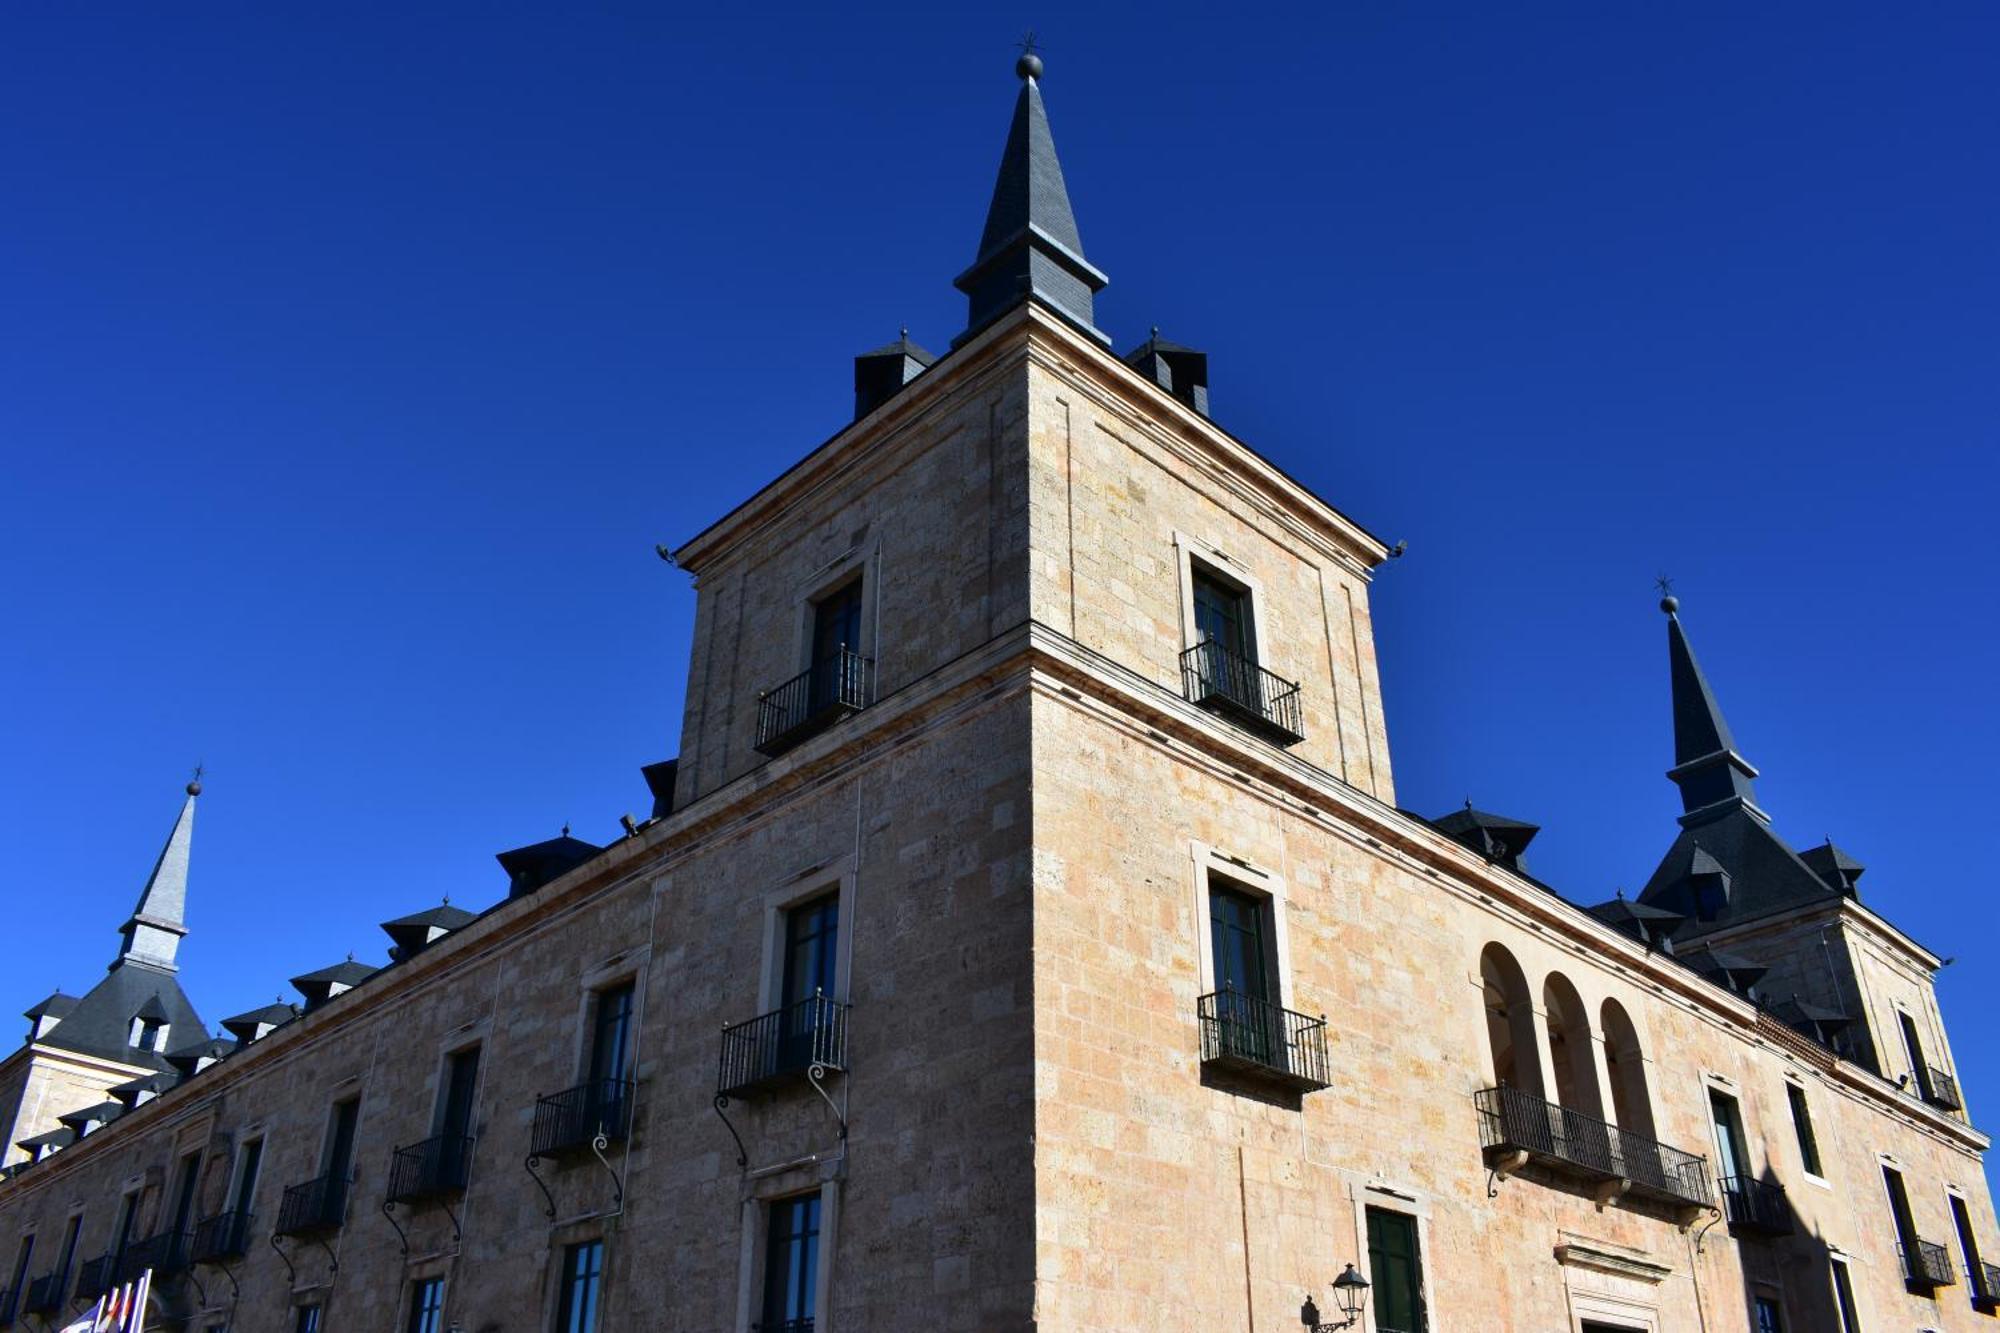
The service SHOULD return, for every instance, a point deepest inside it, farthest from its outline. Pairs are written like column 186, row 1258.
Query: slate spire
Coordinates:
column 1712, row 775
column 153, row 934
column 1030, row 248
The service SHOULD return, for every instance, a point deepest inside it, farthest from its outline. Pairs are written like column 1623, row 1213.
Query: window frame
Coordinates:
column 417, row 1318
column 236, row 1197
column 1190, row 551
column 566, row 1279
column 862, row 562
column 753, row 1254
column 474, row 1045
column 1846, row 1306
column 769, row 1246
column 1247, row 877
column 1811, row 1161
column 835, row 877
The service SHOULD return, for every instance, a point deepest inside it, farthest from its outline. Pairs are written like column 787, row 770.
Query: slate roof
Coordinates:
column 419, row 929
column 1030, row 245
column 244, row 1026
column 1495, row 837
column 1839, row 870
column 57, row 1005
column 318, row 986
column 1765, row 875
column 102, row 1112
column 101, row 1022
column 186, row 1059
column 529, row 868
column 55, row 1138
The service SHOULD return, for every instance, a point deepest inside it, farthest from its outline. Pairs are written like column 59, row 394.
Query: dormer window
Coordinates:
column 149, row 1034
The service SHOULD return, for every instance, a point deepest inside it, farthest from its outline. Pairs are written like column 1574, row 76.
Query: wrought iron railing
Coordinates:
column 165, row 1254
column 431, row 1169
column 1263, row 1040
column 45, row 1293
column 814, row 699
column 1985, row 1279
column 1234, row 685
column 574, row 1118
column 1568, row 1140
column 1926, row 1266
column 96, row 1277
column 1754, row 1205
column 314, row 1205
column 801, row 1037
column 1941, row 1090
column 222, row 1237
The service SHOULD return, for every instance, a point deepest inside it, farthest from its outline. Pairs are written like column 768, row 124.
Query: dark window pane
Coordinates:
column 1221, row 614
column 1843, row 1296
column 307, row 1321
column 583, row 1267
column 1899, row 1207
column 837, row 622
column 1802, row 1124
column 246, row 1178
column 340, row 1140
column 1730, row 1157
column 791, row 1263
column 610, row 1041
column 1396, row 1270
column 427, row 1306
column 812, row 937
column 461, row 1077
column 1236, row 936
column 1767, row 1316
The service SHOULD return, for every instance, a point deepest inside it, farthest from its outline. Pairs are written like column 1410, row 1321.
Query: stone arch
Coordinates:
column 1575, row 1063
column 1510, row 1021
column 1625, row 1070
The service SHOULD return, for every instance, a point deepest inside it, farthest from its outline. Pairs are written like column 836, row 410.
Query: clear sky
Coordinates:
column 353, row 359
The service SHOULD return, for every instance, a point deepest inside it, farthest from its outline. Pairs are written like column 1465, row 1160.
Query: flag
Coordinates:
column 120, row 1311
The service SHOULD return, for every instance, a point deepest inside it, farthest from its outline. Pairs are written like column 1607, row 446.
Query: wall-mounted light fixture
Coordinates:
column 1350, row 1296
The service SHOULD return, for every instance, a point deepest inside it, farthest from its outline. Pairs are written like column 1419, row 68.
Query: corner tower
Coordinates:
column 124, row 1027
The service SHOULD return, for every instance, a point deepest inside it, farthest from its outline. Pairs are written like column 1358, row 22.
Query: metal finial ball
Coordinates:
column 194, row 789
column 1670, row 603
column 1029, row 66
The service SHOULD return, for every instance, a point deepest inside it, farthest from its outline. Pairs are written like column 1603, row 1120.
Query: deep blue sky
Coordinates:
column 353, row 360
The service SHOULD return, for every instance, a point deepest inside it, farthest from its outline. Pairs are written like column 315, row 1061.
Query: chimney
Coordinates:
column 1181, row 371
column 881, row 374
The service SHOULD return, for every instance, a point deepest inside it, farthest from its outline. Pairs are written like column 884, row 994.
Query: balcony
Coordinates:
column 431, row 1169
column 1570, row 1143
column 1941, row 1090
column 1262, row 1042
column 96, row 1277
column 316, row 1205
column 45, row 1294
column 165, row 1254
column 221, row 1238
column 1926, row 1267
column 1985, row 1280
column 1237, row 688
column 814, row 700
column 783, row 1044
column 575, row 1118
column 1755, row 1207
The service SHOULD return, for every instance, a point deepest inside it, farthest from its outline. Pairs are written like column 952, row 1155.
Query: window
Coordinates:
column 128, row 1217
column 583, row 1268
column 1240, row 953
column 149, row 1034
column 184, row 1193
column 1222, row 613
column 461, row 1080
column 1768, row 1320
column 1968, row 1249
column 248, row 1159
column 21, row 1263
column 791, row 1265
column 307, row 1321
column 1802, row 1126
column 338, row 1158
column 1396, row 1271
column 611, row 1034
column 811, row 971
column 1920, row 1071
column 426, row 1307
column 837, row 623
column 1732, row 1159
column 1906, row 1222
column 1843, row 1299
column 70, row 1239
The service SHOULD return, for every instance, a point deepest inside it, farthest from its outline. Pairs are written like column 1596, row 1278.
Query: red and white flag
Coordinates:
column 120, row 1311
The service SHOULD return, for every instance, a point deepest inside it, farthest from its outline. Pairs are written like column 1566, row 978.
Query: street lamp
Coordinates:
column 1350, row 1294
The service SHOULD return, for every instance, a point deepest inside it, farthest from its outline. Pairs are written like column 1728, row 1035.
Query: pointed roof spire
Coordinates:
column 153, row 934
column 1030, row 248
column 1712, row 775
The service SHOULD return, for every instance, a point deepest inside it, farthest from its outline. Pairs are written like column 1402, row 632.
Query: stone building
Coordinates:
column 1027, row 936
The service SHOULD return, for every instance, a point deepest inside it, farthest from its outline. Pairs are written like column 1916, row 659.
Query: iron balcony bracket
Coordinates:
column 402, row 1236
column 1701, row 1236
column 235, row 1291
column 456, row 1238
column 199, row 1290
column 536, row 1176
column 722, row 1109
column 817, row 1075
column 597, row 1146
column 291, row 1273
